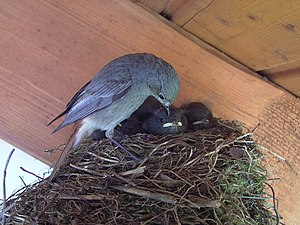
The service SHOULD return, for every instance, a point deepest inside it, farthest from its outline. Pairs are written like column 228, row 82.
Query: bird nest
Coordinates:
column 210, row 176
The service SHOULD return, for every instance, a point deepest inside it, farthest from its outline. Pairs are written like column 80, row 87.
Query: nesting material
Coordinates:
column 210, row 176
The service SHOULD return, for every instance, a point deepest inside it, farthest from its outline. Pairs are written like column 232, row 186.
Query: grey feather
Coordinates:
column 99, row 93
column 117, row 90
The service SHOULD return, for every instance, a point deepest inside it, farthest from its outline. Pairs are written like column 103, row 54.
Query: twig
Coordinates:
column 257, row 125
column 97, row 197
column 49, row 203
column 244, row 136
column 146, row 194
column 89, row 171
column 225, row 125
column 278, row 156
column 4, row 187
column 23, row 181
column 124, row 179
column 166, row 198
column 62, row 157
column 237, row 140
column 270, row 151
column 31, row 173
column 103, row 158
column 160, row 145
column 136, row 171
column 274, row 204
column 250, row 157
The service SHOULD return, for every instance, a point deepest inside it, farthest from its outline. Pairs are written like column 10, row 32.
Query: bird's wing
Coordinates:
column 109, row 85
column 70, row 103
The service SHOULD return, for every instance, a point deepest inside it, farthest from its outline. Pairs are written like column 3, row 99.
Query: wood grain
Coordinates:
column 279, row 132
column 287, row 76
column 182, row 12
column 290, row 80
column 272, row 38
column 155, row 5
column 67, row 41
column 259, row 34
column 50, row 48
column 177, row 11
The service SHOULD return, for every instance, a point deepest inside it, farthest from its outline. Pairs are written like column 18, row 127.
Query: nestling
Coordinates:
column 198, row 115
column 160, row 123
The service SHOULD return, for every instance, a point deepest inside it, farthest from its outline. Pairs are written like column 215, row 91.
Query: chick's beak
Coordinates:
column 173, row 124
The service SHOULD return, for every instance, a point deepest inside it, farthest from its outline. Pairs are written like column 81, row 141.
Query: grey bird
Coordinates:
column 160, row 123
column 116, row 91
column 133, row 124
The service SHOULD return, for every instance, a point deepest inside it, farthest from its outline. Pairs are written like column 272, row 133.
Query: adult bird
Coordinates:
column 116, row 91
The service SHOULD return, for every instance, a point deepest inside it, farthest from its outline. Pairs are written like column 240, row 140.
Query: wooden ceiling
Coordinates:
column 263, row 35
column 50, row 48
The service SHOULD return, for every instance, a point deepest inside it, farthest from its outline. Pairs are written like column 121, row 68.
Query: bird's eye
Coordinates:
column 161, row 96
column 162, row 120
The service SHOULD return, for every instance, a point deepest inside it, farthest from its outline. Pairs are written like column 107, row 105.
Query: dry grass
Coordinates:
column 210, row 176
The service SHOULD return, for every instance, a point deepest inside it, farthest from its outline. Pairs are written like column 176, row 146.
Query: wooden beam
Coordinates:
column 50, row 48
column 287, row 76
column 279, row 135
column 259, row 34
column 290, row 80
column 185, row 14
column 177, row 11
column 181, row 12
column 155, row 5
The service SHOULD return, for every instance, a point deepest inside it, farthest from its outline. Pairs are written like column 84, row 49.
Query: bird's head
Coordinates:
column 165, row 87
column 155, row 77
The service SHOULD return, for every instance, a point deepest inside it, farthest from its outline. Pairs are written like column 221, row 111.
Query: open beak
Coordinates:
column 176, row 124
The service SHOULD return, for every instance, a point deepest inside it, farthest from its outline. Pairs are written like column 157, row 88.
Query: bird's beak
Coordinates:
column 178, row 124
column 167, row 109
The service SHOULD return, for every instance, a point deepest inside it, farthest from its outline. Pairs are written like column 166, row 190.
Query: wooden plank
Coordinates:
column 290, row 80
column 155, row 5
column 259, row 34
column 177, row 11
column 282, row 68
column 181, row 12
column 279, row 133
column 51, row 48
column 286, row 76
column 25, row 76
column 59, row 30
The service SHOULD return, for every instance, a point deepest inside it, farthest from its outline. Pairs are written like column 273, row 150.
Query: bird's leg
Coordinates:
column 123, row 148
column 109, row 135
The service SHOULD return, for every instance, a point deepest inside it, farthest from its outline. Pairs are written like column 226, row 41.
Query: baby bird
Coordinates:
column 161, row 124
column 198, row 115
